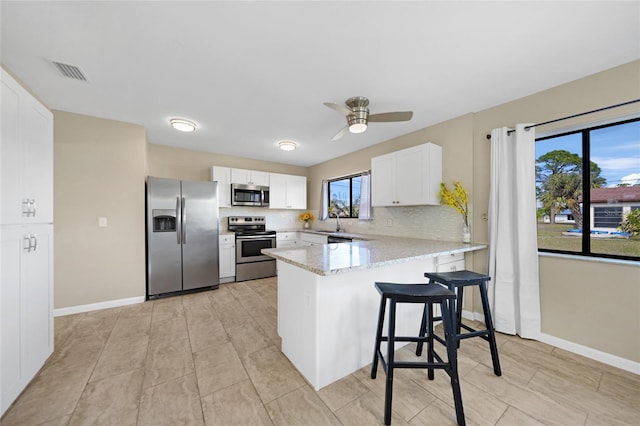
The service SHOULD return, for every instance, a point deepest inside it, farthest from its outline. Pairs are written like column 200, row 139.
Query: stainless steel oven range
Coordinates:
column 251, row 237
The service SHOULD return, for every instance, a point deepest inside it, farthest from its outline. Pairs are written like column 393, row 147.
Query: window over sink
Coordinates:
column 344, row 196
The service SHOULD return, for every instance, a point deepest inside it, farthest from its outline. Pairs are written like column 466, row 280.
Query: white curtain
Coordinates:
column 324, row 201
column 513, row 248
column 365, row 212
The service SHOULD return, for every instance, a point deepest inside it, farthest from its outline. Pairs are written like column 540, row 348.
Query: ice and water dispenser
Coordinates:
column 164, row 220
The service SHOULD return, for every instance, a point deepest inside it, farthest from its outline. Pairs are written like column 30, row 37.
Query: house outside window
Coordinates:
column 586, row 213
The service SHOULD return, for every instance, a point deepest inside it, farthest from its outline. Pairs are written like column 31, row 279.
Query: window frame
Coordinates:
column 585, row 131
column 351, row 200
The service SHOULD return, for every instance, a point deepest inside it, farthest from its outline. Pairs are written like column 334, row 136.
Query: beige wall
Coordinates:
column 176, row 163
column 594, row 304
column 99, row 170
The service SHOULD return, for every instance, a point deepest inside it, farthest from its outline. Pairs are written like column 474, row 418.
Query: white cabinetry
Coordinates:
column 227, row 254
column 450, row 262
column 408, row 177
column 249, row 177
column 222, row 175
column 26, row 157
column 26, row 233
column 287, row 191
column 311, row 239
column 286, row 239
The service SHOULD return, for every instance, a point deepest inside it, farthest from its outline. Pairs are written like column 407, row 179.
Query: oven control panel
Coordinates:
column 246, row 220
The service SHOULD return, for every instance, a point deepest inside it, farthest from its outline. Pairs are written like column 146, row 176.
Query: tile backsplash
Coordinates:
column 429, row 222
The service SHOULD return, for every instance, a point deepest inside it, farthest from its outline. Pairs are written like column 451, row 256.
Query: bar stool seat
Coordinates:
column 426, row 294
column 456, row 281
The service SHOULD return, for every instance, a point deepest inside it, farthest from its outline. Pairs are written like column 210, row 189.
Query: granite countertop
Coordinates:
column 378, row 250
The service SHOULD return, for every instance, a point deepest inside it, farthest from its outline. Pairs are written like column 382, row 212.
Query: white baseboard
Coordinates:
column 609, row 359
column 97, row 306
column 473, row 316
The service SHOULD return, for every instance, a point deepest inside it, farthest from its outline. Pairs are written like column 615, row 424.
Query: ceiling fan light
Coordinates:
column 182, row 124
column 287, row 145
column 357, row 127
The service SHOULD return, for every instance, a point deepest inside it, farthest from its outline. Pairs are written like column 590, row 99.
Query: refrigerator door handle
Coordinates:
column 179, row 224
column 184, row 221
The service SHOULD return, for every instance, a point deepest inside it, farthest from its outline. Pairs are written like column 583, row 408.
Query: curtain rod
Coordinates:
column 574, row 116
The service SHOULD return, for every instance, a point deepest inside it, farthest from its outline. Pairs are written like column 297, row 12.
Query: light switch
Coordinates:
column 102, row 222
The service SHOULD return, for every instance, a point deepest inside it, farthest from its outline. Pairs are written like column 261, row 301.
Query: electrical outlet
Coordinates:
column 102, row 222
column 389, row 222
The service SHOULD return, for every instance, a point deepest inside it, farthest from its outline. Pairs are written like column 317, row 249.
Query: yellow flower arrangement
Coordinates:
column 458, row 199
column 306, row 217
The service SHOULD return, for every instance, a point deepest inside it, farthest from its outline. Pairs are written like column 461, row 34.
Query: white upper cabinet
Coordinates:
column 222, row 175
column 408, row 177
column 26, row 156
column 287, row 191
column 249, row 177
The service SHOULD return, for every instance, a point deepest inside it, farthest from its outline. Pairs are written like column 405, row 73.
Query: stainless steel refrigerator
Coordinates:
column 182, row 236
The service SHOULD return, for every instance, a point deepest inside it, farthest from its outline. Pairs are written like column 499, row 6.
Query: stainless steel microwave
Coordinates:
column 249, row 195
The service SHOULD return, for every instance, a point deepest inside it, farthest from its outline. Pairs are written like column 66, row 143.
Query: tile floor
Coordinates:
column 213, row 358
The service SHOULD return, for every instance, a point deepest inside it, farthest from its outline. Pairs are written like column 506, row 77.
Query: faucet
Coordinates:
column 338, row 227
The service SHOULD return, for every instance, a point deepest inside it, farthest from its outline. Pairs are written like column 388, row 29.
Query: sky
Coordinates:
column 615, row 149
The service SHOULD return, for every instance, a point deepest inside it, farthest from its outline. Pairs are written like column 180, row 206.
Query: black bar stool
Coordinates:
column 456, row 281
column 428, row 294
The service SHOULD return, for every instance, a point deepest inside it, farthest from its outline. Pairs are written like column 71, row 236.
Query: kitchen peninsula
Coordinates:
column 328, row 305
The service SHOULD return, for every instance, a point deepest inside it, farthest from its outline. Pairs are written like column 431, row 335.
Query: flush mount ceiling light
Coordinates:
column 357, row 124
column 182, row 124
column 287, row 145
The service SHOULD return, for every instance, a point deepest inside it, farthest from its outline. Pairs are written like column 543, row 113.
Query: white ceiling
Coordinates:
column 252, row 73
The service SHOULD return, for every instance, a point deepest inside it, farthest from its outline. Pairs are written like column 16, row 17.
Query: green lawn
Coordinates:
column 550, row 237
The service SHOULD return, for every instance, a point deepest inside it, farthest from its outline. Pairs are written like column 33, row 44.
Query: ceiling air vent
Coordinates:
column 70, row 71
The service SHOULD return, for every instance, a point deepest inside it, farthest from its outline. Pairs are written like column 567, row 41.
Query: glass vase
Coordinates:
column 306, row 225
column 466, row 234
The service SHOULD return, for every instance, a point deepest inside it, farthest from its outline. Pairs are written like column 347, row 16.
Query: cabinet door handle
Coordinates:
column 33, row 207
column 26, row 207
column 26, row 243
column 33, row 238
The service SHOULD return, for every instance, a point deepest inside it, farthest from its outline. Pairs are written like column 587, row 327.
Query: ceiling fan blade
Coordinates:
column 391, row 116
column 340, row 134
column 341, row 109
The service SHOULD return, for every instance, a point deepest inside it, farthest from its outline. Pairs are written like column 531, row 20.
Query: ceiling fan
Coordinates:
column 358, row 117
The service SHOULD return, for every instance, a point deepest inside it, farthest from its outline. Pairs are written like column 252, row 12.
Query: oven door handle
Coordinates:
column 255, row 237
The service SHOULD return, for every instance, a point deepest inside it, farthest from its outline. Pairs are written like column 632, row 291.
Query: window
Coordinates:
column 344, row 196
column 590, row 214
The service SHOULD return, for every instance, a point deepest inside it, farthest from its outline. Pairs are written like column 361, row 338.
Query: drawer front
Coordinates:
column 286, row 236
column 450, row 258
column 227, row 239
column 450, row 267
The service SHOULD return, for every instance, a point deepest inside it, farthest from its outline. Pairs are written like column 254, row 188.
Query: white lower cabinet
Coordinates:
column 286, row 239
column 26, row 306
column 227, row 256
column 450, row 262
column 311, row 239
